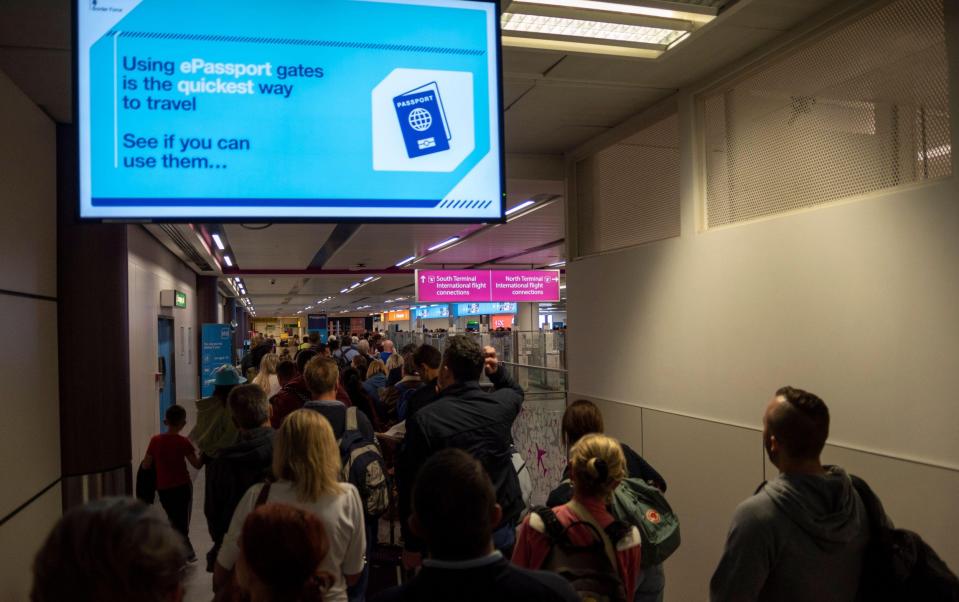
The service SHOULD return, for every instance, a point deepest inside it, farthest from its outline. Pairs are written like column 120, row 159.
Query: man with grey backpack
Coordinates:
column 362, row 461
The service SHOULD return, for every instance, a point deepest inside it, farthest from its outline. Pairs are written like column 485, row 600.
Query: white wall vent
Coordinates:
column 861, row 109
column 628, row 194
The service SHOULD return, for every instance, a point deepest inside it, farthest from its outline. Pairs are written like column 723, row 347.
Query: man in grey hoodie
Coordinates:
column 802, row 536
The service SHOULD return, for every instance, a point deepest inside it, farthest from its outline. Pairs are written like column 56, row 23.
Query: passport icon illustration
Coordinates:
column 423, row 121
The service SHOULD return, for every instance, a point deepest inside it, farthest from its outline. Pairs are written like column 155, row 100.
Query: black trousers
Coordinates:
column 178, row 503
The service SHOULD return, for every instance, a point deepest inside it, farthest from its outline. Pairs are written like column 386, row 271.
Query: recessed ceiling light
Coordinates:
column 406, row 261
column 629, row 9
column 678, row 41
column 219, row 243
column 521, row 206
column 596, row 30
column 445, row 243
column 583, row 47
column 228, row 261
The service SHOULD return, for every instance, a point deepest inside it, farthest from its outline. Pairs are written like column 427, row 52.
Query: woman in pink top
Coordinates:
column 597, row 466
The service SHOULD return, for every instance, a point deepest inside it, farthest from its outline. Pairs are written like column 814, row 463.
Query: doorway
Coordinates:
column 165, row 373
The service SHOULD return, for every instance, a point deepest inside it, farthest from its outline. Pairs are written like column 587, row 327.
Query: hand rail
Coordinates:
column 532, row 367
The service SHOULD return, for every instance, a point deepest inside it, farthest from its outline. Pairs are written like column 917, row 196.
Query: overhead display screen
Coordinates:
column 482, row 309
column 289, row 110
column 431, row 312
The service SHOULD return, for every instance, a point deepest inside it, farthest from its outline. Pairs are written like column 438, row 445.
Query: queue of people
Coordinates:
column 296, row 484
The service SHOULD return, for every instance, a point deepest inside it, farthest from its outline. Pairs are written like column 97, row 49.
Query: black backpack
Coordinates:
column 899, row 566
column 342, row 361
column 592, row 572
column 363, row 467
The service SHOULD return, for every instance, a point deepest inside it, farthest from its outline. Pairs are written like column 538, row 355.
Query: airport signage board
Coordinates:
column 289, row 110
column 319, row 324
column 215, row 345
column 487, row 286
column 400, row 315
column 483, row 309
column 431, row 312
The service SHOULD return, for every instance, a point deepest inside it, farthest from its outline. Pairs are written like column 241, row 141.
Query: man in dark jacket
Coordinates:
column 458, row 525
column 239, row 466
column 427, row 360
column 802, row 536
column 466, row 417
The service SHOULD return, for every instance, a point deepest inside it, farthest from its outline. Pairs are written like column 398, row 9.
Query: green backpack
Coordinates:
column 637, row 503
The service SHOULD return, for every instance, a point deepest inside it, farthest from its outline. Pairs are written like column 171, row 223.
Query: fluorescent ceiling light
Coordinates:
column 562, row 286
column 354, row 285
column 368, row 278
column 219, row 243
column 406, row 261
column 228, row 261
column 678, row 41
column 598, row 30
column 629, row 9
column 346, row 290
column 445, row 243
column 585, row 47
column 557, row 264
column 521, row 206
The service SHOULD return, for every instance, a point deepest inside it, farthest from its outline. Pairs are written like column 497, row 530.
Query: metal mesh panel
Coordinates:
column 628, row 193
column 865, row 108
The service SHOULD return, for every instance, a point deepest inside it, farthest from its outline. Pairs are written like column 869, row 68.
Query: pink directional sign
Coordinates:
column 524, row 285
column 469, row 286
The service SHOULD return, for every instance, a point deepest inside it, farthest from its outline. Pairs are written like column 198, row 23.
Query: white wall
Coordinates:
column 683, row 341
column 153, row 268
column 30, row 430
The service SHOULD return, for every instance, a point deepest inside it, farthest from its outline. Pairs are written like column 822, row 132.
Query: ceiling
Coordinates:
column 553, row 103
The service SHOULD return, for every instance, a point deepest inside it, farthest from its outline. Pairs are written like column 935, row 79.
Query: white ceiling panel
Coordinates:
column 544, row 138
column 537, row 228
column 538, row 258
column 281, row 246
column 514, row 88
column 529, row 61
column 380, row 246
column 580, row 103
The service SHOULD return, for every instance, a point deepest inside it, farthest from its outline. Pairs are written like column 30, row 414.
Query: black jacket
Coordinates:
column 231, row 473
column 636, row 468
column 423, row 397
column 465, row 417
column 500, row 581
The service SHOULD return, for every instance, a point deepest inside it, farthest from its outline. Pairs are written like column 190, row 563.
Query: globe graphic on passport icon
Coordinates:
column 420, row 119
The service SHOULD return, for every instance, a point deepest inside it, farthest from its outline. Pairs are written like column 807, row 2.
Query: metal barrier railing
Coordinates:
column 539, row 349
column 537, row 361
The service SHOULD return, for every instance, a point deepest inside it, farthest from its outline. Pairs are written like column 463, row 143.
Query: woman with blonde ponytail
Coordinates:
column 597, row 466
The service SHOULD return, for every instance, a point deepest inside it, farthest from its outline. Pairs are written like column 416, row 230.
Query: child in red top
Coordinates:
column 168, row 453
column 597, row 466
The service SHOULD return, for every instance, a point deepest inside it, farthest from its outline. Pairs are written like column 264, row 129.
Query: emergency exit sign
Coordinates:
column 179, row 299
